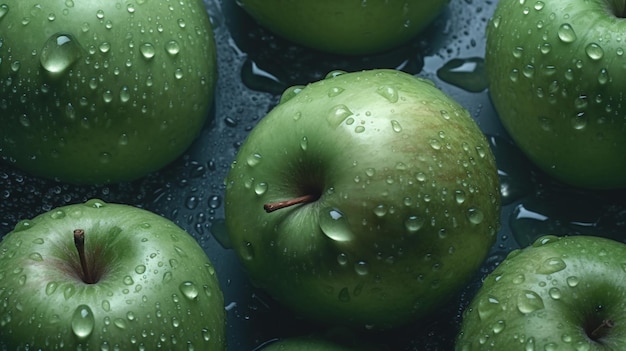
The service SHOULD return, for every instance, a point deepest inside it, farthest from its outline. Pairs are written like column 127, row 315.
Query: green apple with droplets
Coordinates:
column 102, row 91
column 366, row 199
column 555, row 72
column 560, row 293
column 100, row 276
column 346, row 27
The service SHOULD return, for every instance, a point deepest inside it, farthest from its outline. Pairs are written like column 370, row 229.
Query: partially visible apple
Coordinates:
column 307, row 343
column 555, row 71
column 345, row 26
column 102, row 91
column 99, row 276
column 561, row 293
column 383, row 198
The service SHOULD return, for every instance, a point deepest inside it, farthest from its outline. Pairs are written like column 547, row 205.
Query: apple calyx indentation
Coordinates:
column 304, row 199
column 601, row 330
column 79, row 242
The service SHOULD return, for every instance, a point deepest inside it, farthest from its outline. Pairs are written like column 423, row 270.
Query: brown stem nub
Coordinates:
column 79, row 242
column 601, row 329
column 305, row 199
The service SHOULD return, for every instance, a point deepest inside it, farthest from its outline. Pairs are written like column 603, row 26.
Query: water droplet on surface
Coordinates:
column 594, row 51
column 189, row 290
column 59, row 53
column 396, row 126
column 338, row 114
column 172, row 47
column 4, row 8
column 389, row 93
column 552, row 265
column 566, row 33
column 475, row 215
column 82, row 321
column 335, row 225
column 147, row 50
column 253, row 159
column 335, row 91
column 572, row 281
column 413, row 224
column 529, row 301
column 260, row 188
column 488, row 306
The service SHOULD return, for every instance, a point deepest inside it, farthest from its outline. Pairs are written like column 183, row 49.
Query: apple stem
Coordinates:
column 305, row 199
column 79, row 242
column 606, row 324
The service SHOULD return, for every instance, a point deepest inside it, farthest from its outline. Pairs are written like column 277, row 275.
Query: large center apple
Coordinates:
column 382, row 194
column 555, row 72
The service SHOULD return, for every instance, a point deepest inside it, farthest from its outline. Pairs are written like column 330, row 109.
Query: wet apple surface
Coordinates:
column 255, row 67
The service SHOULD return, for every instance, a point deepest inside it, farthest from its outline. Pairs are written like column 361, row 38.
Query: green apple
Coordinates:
column 307, row 344
column 102, row 91
column 555, row 77
column 100, row 276
column 345, row 27
column 560, row 293
column 382, row 195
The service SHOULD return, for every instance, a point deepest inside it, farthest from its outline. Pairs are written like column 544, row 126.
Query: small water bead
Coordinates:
column 566, row 33
column 413, row 224
column 396, row 126
column 555, row 293
column 254, row 159
column 603, row 76
column 335, row 91
column 529, row 301
column 189, row 290
column 389, row 93
column 552, row 265
column 147, row 51
column 475, row 216
column 260, row 188
column 335, row 225
column 361, row 268
column 338, row 114
column 488, row 306
column 172, row 47
column 59, row 53
column 4, row 8
column 594, row 51
column 82, row 321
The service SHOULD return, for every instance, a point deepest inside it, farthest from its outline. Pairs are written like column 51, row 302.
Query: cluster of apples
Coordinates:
column 366, row 199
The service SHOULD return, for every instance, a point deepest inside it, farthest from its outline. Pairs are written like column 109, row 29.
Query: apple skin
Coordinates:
column 303, row 343
column 551, row 296
column 345, row 27
column 560, row 95
column 408, row 201
column 157, row 288
column 102, row 91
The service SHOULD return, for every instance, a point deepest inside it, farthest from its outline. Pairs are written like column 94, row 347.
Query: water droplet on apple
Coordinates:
column 304, row 143
column 594, row 51
column 389, row 93
column 172, row 47
column 106, row 305
column 189, row 290
column 552, row 265
column 35, row 256
column 335, row 91
column 572, row 281
column 566, row 33
column 167, row 276
column 488, row 306
column 475, row 215
column 338, row 114
column 140, row 269
column 82, row 321
column 59, row 53
column 342, row 259
column 147, row 51
column 128, row 280
column 335, row 225
column 413, row 224
column 498, row 326
column 51, row 287
column 120, row 323
column 289, row 94
column 529, row 301
column 253, row 159
column 260, row 188
column 518, row 279
column 4, row 8
column 603, row 76
column 361, row 268
column 396, row 126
